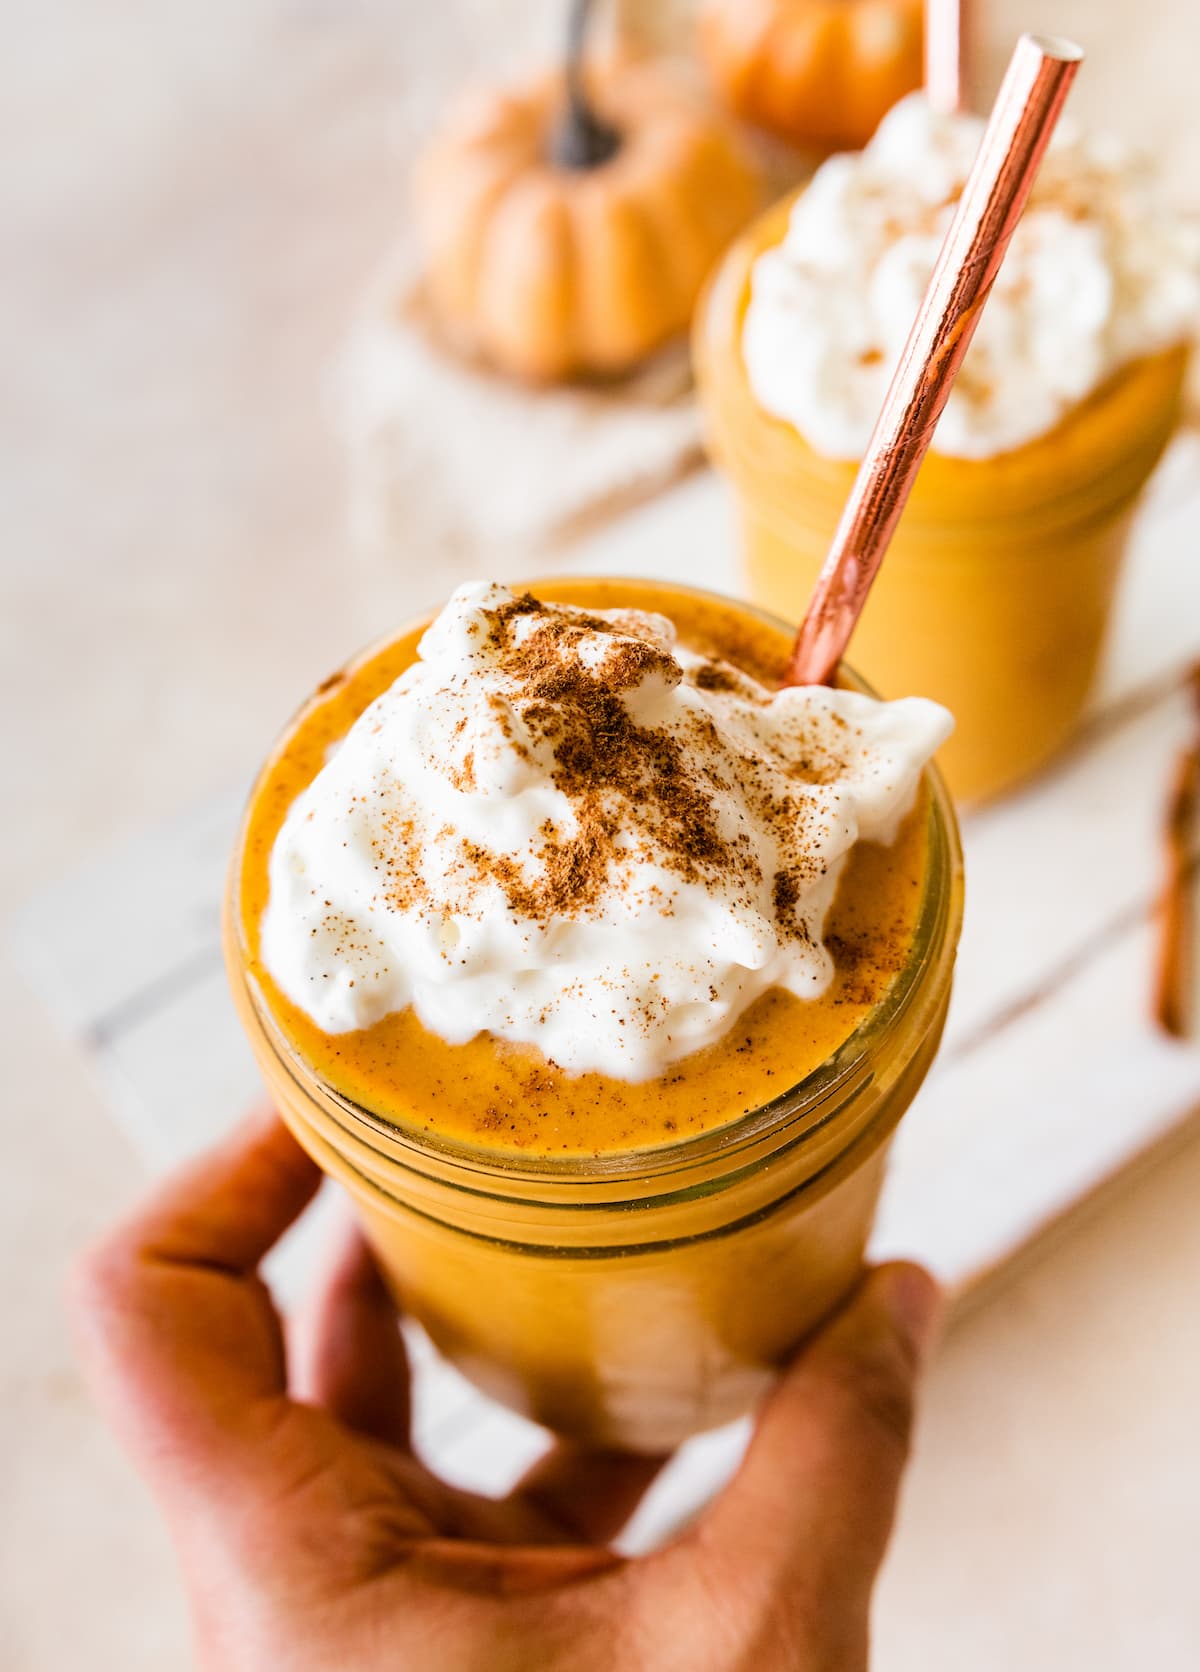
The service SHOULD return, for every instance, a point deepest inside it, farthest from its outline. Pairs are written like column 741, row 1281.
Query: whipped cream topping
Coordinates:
column 1099, row 273
column 563, row 827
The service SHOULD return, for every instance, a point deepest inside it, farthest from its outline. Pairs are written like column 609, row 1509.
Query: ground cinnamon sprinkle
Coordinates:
column 785, row 893
column 634, row 791
column 463, row 776
column 720, row 676
column 604, row 762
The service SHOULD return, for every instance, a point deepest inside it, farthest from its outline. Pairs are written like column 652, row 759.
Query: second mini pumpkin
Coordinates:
column 816, row 72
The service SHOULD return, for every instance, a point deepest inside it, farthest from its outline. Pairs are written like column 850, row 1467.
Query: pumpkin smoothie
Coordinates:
column 600, row 972
column 1000, row 581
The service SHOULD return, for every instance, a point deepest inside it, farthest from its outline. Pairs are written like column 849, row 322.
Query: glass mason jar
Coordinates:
column 999, row 583
column 633, row 1299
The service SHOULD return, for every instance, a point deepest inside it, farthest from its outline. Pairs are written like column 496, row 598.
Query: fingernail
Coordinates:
column 260, row 1120
column 914, row 1302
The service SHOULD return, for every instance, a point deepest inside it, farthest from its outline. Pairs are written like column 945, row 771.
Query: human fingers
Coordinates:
column 178, row 1333
column 815, row 1498
column 348, row 1353
column 580, row 1494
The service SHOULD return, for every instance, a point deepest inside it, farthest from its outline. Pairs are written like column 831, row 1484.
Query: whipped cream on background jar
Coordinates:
column 629, row 1298
column 999, row 584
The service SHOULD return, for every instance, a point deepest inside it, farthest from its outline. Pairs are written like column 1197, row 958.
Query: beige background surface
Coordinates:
column 192, row 195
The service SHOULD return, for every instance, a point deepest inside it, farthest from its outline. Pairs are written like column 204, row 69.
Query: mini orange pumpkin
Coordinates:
column 817, row 72
column 561, row 242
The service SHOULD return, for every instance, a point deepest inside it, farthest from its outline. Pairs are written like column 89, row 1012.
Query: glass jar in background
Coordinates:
column 999, row 583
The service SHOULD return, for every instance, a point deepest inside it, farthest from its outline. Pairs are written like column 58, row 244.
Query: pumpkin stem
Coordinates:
column 582, row 139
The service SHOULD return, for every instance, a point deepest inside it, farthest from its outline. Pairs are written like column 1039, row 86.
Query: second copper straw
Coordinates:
column 945, row 53
column 1022, row 121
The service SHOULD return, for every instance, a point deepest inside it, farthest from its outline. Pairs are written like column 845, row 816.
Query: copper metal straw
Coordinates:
column 945, row 53
column 1027, row 107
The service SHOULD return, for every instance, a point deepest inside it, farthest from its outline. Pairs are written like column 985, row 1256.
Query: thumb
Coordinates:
column 814, row 1500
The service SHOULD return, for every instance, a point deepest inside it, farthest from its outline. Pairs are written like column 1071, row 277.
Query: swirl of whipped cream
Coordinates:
column 563, row 827
column 1098, row 274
